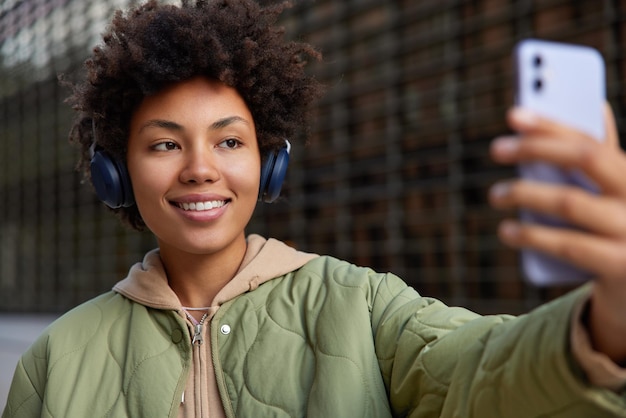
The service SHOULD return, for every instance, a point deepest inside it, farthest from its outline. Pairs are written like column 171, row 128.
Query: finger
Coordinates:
column 612, row 136
column 598, row 214
column 505, row 149
column 602, row 256
column 526, row 122
column 539, row 147
column 604, row 165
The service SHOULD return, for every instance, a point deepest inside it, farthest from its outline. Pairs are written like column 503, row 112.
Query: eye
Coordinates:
column 230, row 143
column 165, row 146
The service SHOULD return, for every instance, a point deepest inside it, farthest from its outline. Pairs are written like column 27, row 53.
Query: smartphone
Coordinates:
column 566, row 83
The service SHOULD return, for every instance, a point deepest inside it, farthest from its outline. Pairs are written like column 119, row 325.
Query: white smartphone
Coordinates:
column 566, row 83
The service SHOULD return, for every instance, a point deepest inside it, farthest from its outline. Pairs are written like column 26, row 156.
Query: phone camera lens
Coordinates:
column 537, row 61
column 538, row 85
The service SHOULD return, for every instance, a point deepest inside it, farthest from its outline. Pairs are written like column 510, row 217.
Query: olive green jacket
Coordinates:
column 327, row 340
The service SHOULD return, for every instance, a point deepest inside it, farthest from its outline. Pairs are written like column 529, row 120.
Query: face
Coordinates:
column 195, row 166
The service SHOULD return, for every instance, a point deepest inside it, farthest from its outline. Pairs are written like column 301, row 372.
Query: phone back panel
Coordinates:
column 565, row 83
column 572, row 83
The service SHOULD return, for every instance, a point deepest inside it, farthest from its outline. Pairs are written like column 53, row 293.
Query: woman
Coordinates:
column 184, row 112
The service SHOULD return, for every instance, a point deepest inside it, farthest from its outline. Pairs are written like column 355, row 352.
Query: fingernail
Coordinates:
column 524, row 116
column 500, row 190
column 506, row 145
column 509, row 230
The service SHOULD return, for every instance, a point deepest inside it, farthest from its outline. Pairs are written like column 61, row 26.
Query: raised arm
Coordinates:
column 600, row 244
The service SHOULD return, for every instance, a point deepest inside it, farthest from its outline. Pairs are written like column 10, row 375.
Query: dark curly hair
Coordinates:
column 153, row 45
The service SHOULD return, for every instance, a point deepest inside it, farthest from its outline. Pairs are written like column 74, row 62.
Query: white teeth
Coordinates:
column 202, row 206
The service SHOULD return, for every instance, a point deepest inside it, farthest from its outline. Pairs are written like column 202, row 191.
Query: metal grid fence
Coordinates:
column 395, row 175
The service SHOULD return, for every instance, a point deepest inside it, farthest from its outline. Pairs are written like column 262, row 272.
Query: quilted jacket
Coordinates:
column 327, row 340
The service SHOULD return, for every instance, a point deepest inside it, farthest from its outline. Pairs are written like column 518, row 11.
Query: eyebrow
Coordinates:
column 173, row 126
column 224, row 122
column 160, row 123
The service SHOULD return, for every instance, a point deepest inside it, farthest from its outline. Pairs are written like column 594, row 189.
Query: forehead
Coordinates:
column 194, row 100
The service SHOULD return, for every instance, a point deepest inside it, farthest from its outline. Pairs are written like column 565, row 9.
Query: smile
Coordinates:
column 201, row 206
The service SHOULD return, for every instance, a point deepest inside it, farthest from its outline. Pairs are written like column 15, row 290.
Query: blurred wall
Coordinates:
column 395, row 173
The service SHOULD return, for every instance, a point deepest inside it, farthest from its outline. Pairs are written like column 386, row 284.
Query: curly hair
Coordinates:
column 154, row 45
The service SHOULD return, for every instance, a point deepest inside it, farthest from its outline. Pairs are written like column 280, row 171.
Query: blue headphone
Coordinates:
column 273, row 173
column 112, row 183
column 110, row 178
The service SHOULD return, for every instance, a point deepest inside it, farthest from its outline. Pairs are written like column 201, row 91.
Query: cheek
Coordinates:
column 149, row 187
column 148, row 182
column 246, row 175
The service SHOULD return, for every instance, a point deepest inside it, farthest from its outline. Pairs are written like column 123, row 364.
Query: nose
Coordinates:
column 200, row 166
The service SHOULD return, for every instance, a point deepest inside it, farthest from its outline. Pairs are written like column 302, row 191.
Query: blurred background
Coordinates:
column 395, row 174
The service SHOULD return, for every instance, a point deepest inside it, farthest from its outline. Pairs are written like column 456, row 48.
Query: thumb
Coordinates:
column 611, row 137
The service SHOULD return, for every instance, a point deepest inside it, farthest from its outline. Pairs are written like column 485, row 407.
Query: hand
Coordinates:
column 600, row 245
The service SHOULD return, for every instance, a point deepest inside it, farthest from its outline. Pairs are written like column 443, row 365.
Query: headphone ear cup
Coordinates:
column 266, row 170
column 273, row 175
column 127, row 186
column 111, row 180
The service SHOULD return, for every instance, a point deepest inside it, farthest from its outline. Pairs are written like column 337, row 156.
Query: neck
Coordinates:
column 197, row 278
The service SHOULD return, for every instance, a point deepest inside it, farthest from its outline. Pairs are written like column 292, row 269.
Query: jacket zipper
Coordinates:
column 196, row 341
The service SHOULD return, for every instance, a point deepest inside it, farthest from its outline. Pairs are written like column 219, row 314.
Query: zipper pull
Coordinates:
column 197, row 336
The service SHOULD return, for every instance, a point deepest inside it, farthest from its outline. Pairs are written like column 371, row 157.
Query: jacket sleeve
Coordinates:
column 26, row 392
column 440, row 361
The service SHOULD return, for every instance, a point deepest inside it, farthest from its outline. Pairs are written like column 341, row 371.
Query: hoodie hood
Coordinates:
column 147, row 283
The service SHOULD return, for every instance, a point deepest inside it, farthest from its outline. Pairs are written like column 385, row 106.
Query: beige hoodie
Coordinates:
column 147, row 284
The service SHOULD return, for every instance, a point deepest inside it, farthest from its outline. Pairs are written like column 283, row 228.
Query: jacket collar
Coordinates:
column 147, row 284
